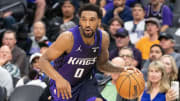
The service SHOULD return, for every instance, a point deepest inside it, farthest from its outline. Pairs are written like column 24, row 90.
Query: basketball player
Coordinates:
column 75, row 53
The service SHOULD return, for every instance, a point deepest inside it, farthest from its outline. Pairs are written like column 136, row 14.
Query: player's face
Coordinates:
column 154, row 75
column 88, row 23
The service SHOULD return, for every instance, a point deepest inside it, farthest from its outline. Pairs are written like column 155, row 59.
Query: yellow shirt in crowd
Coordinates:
column 144, row 45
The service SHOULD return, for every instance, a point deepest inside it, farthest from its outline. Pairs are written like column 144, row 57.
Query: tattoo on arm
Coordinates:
column 103, row 63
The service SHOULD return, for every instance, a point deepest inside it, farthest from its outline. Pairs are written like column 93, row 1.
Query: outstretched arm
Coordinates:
column 103, row 63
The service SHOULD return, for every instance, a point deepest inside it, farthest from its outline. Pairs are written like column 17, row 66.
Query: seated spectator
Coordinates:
column 114, row 24
column 127, row 54
column 44, row 46
column 13, row 14
column 120, row 9
column 136, row 27
column 157, row 83
column 144, row 44
column 170, row 67
column 35, row 76
column 6, row 80
column 39, row 31
column 5, row 58
column 100, row 3
column 156, row 52
column 110, row 85
column 167, row 42
column 122, row 40
column 129, row 3
column 18, row 55
column 160, row 11
column 68, row 15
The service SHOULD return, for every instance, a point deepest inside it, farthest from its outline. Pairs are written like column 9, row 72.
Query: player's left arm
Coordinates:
column 103, row 63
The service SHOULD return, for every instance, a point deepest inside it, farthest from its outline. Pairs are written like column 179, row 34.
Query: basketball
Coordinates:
column 130, row 85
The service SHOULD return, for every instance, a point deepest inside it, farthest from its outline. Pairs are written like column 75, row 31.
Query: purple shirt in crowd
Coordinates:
column 164, row 14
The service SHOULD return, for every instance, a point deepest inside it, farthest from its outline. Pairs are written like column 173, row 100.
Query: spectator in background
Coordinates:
column 5, row 58
column 44, row 46
column 35, row 76
column 145, row 43
column 129, row 3
column 160, row 11
column 120, row 9
column 127, row 54
column 114, row 24
column 68, row 19
column 167, row 42
column 100, row 3
column 157, row 84
column 156, row 52
column 136, row 27
column 18, row 55
column 170, row 67
column 6, row 80
column 110, row 85
column 12, row 15
column 68, row 11
column 39, row 32
column 122, row 40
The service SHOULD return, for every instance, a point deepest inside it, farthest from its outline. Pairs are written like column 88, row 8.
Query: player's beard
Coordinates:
column 88, row 35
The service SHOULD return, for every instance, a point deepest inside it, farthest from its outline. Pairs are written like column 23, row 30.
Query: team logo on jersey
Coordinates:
column 78, row 49
column 81, row 61
column 95, row 49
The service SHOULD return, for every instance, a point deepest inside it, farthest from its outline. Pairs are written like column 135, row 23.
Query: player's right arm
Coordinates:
column 64, row 43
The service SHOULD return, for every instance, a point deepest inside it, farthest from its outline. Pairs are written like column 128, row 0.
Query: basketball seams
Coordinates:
column 137, row 83
column 123, row 82
column 129, row 79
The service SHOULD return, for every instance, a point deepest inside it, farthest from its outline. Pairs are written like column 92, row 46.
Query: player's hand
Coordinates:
column 171, row 95
column 63, row 88
column 133, row 70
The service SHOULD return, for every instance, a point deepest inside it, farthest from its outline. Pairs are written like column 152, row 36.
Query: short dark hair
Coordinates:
column 157, row 45
column 116, row 18
column 139, row 5
column 91, row 7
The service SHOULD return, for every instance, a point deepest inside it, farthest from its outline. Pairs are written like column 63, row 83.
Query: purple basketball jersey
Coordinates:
column 76, row 65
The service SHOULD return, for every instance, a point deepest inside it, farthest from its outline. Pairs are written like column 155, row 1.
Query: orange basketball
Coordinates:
column 130, row 85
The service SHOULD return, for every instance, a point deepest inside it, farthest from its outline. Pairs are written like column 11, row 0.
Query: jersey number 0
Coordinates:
column 79, row 73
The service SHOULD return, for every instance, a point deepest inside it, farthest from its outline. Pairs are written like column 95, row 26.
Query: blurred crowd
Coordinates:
column 143, row 33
